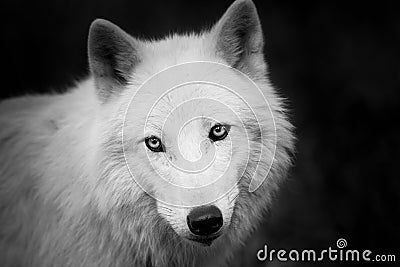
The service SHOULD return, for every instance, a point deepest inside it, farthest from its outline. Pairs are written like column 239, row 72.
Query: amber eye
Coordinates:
column 218, row 132
column 154, row 144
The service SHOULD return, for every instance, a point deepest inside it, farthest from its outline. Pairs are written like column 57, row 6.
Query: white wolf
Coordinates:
column 83, row 174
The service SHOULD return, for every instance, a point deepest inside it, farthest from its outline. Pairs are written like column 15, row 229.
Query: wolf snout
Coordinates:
column 205, row 221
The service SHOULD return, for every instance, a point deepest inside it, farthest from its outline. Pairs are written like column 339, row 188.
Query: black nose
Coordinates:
column 205, row 220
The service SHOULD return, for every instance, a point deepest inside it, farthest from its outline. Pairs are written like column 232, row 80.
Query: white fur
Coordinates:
column 67, row 197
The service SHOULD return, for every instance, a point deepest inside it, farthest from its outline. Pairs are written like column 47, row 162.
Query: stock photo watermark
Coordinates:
column 338, row 253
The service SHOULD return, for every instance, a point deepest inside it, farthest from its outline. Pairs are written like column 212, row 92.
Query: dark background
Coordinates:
column 339, row 65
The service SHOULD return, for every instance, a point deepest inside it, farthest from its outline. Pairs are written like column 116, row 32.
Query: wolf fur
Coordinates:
column 66, row 195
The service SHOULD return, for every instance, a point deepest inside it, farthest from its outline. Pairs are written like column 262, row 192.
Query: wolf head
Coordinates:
column 193, row 133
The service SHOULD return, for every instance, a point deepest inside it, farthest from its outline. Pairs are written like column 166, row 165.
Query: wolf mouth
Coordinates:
column 205, row 241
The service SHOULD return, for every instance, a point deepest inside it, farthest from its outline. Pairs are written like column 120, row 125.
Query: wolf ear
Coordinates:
column 238, row 36
column 112, row 57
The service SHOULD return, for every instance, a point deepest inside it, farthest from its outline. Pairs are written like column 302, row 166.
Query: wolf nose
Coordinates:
column 205, row 220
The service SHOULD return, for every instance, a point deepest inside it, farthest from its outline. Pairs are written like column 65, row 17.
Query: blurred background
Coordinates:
column 338, row 64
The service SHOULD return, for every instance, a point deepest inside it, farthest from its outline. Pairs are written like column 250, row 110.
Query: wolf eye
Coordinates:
column 218, row 132
column 154, row 144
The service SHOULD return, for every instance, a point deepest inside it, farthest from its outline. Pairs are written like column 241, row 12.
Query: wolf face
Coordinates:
column 199, row 124
column 197, row 150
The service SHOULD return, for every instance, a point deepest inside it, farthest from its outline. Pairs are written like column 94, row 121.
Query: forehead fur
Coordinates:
column 222, row 105
column 233, row 105
column 176, row 49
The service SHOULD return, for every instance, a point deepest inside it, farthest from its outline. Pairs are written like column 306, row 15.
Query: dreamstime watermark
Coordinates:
column 338, row 253
column 179, row 105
